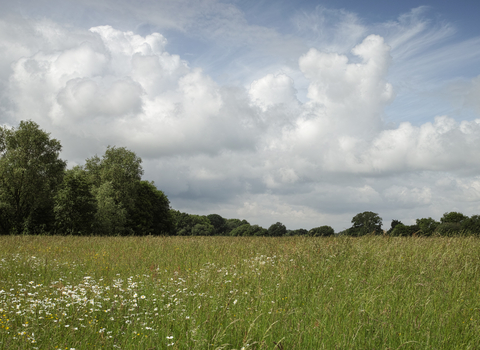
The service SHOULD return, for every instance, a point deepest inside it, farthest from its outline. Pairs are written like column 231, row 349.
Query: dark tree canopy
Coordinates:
column 30, row 172
column 277, row 230
column 366, row 223
column 453, row 217
column 427, row 226
column 218, row 222
column 322, row 231
column 75, row 205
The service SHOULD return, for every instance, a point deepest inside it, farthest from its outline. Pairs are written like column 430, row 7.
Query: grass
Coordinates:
column 239, row 293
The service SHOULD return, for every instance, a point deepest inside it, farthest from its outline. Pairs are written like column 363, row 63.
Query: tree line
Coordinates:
column 107, row 196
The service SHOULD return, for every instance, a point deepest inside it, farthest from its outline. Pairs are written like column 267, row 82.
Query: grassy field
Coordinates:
column 239, row 293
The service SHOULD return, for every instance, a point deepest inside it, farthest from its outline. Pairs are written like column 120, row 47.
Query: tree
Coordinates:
column 30, row 173
column 232, row 224
column 75, row 205
column 256, row 230
column 297, row 232
column 218, row 223
column 427, row 226
column 392, row 226
column 322, row 231
column 151, row 214
column 122, row 168
column 111, row 217
column 366, row 223
column 453, row 217
column 472, row 225
column 143, row 209
column 191, row 225
column 242, row 230
column 277, row 230
column 448, row 229
column 402, row 230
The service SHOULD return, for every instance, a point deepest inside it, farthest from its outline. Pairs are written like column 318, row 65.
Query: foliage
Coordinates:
column 277, row 230
column 392, row 226
column 322, row 231
column 402, row 230
column 151, row 214
column 242, row 230
column 30, row 173
column 366, row 223
column 472, row 225
column 448, row 229
column 120, row 167
column 453, row 217
column 219, row 223
column 231, row 224
column 427, row 226
column 249, row 230
column 75, row 205
column 191, row 225
column 111, row 217
column 297, row 232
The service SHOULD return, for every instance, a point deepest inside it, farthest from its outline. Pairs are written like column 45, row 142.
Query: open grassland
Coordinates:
column 239, row 293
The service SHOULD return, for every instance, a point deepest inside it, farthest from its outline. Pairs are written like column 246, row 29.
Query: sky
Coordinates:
column 299, row 112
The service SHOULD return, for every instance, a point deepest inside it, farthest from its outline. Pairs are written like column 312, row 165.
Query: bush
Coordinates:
column 366, row 223
column 448, row 229
column 472, row 225
column 277, row 230
column 218, row 222
column 297, row 232
column 393, row 225
column 427, row 226
column 453, row 217
column 322, row 231
column 402, row 230
column 231, row 224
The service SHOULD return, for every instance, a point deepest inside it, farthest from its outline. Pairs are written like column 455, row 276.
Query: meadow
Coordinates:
column 373, row 292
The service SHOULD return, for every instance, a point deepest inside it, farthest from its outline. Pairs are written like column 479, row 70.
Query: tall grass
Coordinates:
column 239, row 293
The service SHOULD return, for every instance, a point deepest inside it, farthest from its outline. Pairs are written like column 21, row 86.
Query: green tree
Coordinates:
column 277, row 230
column 111, row 216
column 191, row 225
column 448, row 229
column 75, row 205
column 297, row 232
column 151, row 214
column 122, row 168
column 392, row 226
column 427, row 226
column 256, row 230
column 402, row 230
column 218, row 222
column 231, row 224
column 366, row 223
column 30, row 173
column 472, row 225
column 242, row 230
column 453, row 217
column 322, row 231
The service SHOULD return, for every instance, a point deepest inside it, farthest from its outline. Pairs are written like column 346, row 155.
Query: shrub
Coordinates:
column 402, row 230
column 427, row 226
column 277, row 230
column 448, row 229
column 322, row 231
column 472, row 225
column 366, row 223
